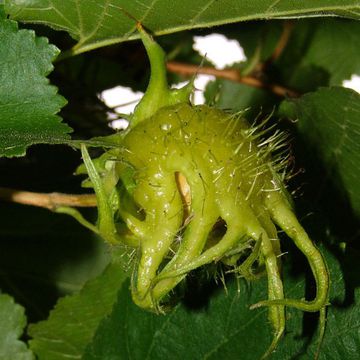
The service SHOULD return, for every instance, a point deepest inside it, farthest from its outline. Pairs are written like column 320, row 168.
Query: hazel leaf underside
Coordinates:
column 12, row 323
column 335, row 48
column 98, row 23
column 329, row 121
column 320, row 53
column 221, row 326
column 28, row 104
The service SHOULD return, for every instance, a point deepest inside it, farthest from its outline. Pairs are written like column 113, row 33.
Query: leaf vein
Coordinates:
column 62, row 16
column 159, row 331
column 202, row 11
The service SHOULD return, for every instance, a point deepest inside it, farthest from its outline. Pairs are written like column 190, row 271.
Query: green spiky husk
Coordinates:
column 176, row 174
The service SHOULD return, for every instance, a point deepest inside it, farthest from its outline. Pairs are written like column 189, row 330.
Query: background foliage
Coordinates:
column 75, row 295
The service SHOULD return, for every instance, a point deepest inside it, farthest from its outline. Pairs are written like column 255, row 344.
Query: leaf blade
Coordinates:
column 225, row 328
column 28, row 104
column 75, row 318
column 335, row 134
column 12, row 323
column 92, row 23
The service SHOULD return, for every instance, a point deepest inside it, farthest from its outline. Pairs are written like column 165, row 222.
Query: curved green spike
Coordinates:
column 285, row 218
column 158, row 94
column 106, row 225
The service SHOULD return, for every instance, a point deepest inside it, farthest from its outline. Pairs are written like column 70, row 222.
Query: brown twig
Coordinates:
column 281, row 45
column 229, row 74
column 283, row 41
column 49, row 201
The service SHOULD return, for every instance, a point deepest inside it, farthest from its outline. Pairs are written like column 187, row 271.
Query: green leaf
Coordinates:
column 342, row 340
column 224, row 328
column 93, row 23
column 12, row 323
column 72, row 324
column 329, row 121
column 185, row 333
column 335, row 48
column 331, row 45
column 239, row 97
column 28, row 103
